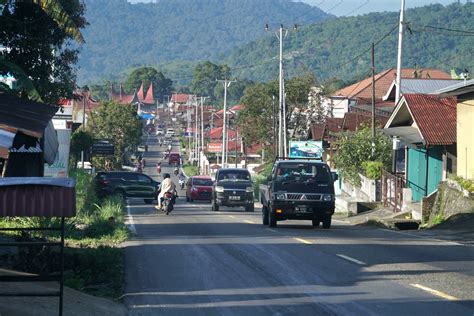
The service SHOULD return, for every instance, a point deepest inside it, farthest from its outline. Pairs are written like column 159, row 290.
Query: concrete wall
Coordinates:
column 448, row 200
column 368, row 191
column 465, row 139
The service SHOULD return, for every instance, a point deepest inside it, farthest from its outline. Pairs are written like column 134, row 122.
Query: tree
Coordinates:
column 205, row 75
column 81, row 140
column 161, row 85
column 256, row 119
column 41, row 55
column 119, row 123
column 354, row 151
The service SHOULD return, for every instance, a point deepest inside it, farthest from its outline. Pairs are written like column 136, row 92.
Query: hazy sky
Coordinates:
column 355, row 7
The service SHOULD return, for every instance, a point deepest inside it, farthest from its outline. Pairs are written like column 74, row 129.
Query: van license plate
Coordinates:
column 301, row 209
column 234, row 198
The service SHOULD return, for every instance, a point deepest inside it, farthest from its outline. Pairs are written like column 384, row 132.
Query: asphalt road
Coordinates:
column 197, row 262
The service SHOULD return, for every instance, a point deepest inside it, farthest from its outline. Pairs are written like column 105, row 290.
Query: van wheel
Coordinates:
column 272, row 221
column 327, row 222
column 265, row 215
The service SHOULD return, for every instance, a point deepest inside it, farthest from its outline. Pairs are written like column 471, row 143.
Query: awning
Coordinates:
column 408, row 134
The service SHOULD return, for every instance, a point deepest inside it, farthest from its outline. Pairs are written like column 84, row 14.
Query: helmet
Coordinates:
column 166, row 175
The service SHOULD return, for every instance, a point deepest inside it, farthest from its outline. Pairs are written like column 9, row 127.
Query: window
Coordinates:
column 204, row 182
column 143, row 179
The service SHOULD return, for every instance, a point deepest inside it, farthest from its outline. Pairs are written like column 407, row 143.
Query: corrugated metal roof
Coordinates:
column 434, row 116
column 29, row 117
column 457, row 89
column 37, row 196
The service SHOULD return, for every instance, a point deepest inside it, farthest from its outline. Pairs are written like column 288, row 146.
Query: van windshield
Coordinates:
column 302, row 173
column 234, row 175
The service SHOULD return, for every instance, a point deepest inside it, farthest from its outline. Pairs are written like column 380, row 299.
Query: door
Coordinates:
column 130, row 185
column 416, row 179
column 145, row 186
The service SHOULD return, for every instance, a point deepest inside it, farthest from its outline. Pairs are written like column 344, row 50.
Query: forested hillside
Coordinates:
column 437, row 36
column 121, row 35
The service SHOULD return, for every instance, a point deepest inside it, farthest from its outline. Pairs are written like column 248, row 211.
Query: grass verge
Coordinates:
column 190, row 170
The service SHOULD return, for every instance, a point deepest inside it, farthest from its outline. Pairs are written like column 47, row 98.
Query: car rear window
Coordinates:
column 174, row 156
column 234, row 175
column 303, row 172
column 204, row 182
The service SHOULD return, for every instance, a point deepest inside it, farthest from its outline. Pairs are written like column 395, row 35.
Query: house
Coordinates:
column 358, row 96
column 464, row 91
column 27, row 136
column 425, row 126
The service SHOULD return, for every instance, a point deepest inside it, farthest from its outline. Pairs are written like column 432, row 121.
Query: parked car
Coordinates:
column 199, row 188
column 298, row 189
column 126, row 184
column 174, row 158
column 159, row 132
column 233, row 187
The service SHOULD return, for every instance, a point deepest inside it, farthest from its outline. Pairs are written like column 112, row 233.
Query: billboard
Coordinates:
column 59, row 168
column 306, row 149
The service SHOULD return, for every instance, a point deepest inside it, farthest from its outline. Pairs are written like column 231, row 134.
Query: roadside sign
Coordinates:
column 103, row 147
column 214, row 147
column 306, row 149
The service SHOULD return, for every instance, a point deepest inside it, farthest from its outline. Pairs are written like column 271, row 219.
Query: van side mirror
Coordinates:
column 335, row 176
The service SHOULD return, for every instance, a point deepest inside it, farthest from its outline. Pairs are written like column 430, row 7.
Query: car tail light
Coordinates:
column 168, row 195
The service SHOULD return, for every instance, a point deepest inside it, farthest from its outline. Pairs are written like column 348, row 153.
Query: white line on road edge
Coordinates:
column 231, row 216
column 435, row 292
column 249, row 222
column 130, row 222
column 271, row 230
column 351, row 259
column 304, row 241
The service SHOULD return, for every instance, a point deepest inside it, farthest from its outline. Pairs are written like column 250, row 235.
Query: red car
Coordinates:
column 199, row 188
column 174, row 159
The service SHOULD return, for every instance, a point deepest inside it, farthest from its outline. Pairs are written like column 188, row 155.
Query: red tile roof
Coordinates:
column 383, row 81
column 180, row 97
column 317, row 131
column 141, row 93
column 216, row 133
column 353, row 121
column 149, row 99
column 238, row 107
column 434, row 116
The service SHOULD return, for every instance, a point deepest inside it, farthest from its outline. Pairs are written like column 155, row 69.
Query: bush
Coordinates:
column 373, row 169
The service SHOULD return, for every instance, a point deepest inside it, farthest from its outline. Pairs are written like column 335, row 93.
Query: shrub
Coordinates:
column 373, row 169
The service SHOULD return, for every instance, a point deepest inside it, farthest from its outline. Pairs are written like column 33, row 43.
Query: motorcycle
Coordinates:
column 176, row 171
column 168, row 202
column 158, row 169
column 181, row 184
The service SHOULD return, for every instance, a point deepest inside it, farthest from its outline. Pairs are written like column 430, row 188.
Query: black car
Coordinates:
column 298, row 189
column 233, row 187
column 126, row 184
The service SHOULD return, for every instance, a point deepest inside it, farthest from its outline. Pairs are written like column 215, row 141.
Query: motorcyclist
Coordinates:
column 169, row 148
column 166, row 185
column 176, row 170
column 181, row 179
column 158, row 167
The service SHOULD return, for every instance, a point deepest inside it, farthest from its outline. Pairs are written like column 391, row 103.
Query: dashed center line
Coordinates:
column 435, row 292
column 304, row 241
column 231, row 216
column 249, row 222
column 351, row 259
column 130, row 222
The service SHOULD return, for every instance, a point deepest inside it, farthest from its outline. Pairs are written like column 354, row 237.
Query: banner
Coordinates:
column 214, row 147
column 306, row 149
column 59, row 168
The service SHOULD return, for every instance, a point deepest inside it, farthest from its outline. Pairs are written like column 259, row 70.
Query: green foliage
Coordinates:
column 205, row 78
column 353, row 149
column 44, row 49
column 373, row 169
column 131, row 35
column 466, row 184
column 118, row 123
column 81, row 140
column 161, row 85
column 438, row 219
column 190, row 170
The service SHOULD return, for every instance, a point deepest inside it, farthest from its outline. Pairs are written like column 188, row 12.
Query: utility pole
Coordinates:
column 201, row 148
column 83, row 122
column 226, row 83
column 282, row 138
column 275, row 145
column 399, row 56
column 373, row 90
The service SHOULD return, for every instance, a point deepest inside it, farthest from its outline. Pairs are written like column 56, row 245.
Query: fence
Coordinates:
column 392, row 190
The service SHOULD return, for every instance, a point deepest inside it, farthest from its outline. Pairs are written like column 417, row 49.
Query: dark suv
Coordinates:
column 232, row 187
column 126, row 184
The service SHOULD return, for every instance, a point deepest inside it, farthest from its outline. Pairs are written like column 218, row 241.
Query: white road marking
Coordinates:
column 449, row 242
column 231, row 216
column 249, row 222
column 351, row 259
column 271, row 230
column 435, row 292
column 304, row 241
column 130, row 222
